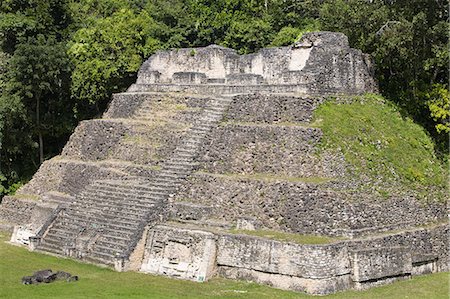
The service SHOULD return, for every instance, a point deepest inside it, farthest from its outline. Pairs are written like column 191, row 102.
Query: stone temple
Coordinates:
column 209, row 145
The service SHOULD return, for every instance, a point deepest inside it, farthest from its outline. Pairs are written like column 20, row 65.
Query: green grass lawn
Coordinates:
column 96, row 282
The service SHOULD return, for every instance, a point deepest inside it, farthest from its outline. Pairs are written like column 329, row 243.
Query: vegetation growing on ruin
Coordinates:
column 269, row 177
column 385, row 149
column 96, row 282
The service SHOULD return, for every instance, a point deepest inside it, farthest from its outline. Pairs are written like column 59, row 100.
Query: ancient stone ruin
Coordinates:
column 210, row 147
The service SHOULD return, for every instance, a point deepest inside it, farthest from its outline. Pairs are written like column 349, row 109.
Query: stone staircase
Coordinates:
column 106, row 221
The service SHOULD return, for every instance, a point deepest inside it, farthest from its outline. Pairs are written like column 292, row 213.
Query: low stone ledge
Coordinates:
column 286, row 282
column 270, row 256
column 149, row 77
column 189, row 78
column 190, row 211
column 378, row 263
column 244, row 79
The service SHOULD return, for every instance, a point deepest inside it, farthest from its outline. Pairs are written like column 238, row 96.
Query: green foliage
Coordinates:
column 439, row 105
column 289, row 35
column 383, row 147
column 97, row 282
column 286, row 36
column 20, row 20
column 34, row 84
column 248, row 35
column 108, row 53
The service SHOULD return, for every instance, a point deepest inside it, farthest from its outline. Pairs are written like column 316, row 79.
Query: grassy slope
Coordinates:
column 98, row 282
column 386, row 149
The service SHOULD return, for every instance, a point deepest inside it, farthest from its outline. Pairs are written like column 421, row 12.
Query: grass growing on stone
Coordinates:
column 288, row 237
column 25, row 196
column 381, row 144
column 269, row 177
column 257, row 124
column 96, row 282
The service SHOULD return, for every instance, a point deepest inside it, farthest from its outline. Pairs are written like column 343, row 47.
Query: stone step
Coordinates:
column 117, row 238
column 120, row 212
column 199, row 130
column 119, row 199
column 172, row 175
column 100, row 223
column 122, row 197
column 185, row 152
column 182, row 160
column 110, row 213
column 111, row 248
column 130, row 185
column 61, row 233
column 50, row 248
column 179, row 168
column 211, row 118
column 57, row 241
column 119, row 232
column 111, row 187
column 128, row 189
column 106, row 218
column 119, row 241
column 130, row 195
column 97, row 257
column 64, row 228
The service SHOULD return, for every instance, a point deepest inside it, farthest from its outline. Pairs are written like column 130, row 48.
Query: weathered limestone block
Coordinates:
column 424, row 263
column 307, row 261
column 188, row 78
column 321, row 286
column 244, row 79
column 429, row 246
column 375, row 264
column 190, row 211
column 151, row 77
column 181, row 253
column 248, row 223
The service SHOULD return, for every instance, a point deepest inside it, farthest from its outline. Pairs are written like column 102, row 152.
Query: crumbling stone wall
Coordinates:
column 316, row 269
column 320, row 61
column 301, row 207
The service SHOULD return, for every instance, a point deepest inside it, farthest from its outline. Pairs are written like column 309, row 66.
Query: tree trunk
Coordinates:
column 38, row 125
